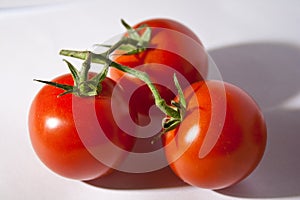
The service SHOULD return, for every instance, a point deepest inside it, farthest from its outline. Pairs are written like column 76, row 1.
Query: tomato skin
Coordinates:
column 237, row 151
column 56, row 138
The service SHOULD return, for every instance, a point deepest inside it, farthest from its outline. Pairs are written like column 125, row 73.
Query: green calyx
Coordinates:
column 171, row 122
column 83, row 85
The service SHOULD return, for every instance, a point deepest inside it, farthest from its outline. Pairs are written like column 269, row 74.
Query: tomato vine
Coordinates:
column 226, row 142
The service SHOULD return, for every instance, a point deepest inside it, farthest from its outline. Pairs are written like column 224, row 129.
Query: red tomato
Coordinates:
column 66, row 135
column 219, row 142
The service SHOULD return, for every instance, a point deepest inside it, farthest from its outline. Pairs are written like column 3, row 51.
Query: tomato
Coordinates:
column 221, row 139
column 74, row 136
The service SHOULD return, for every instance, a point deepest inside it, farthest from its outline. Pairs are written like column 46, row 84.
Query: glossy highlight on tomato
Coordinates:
column 58, row 127
column 210, row 154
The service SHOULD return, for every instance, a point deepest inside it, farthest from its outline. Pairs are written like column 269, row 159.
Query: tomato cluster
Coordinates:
column 220, row 137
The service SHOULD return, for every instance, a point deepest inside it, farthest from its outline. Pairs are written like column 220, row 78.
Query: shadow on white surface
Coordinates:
column 270, row 72
column 163, row 178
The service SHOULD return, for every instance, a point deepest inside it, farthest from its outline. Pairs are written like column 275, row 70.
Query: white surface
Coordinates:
column 255, row 43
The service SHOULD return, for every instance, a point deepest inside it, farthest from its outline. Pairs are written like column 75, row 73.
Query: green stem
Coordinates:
column 97, row 58
column 85, row 68
column 83, row 76
column 123, row 41
column 82, row 55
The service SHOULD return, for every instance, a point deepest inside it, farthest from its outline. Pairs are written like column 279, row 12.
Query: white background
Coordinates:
column 255, row 43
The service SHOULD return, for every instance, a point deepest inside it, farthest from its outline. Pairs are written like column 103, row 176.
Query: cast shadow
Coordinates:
column 270, row 72
column 163, row 178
